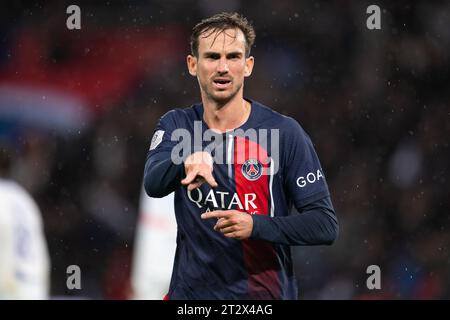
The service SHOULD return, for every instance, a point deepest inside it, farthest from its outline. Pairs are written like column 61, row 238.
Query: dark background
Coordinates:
column 78, row 108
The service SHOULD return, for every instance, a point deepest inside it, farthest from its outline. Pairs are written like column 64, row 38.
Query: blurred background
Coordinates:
column 79, row 108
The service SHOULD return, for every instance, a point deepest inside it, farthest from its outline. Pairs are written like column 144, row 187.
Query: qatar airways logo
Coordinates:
column 224, row 200
column 225, row 148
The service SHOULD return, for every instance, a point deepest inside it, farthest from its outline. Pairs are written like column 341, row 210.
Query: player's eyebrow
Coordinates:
column 236, row 54
column 211, row 54
column 216, row 55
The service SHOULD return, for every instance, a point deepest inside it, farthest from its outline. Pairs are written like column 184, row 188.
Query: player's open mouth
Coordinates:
column 222, row 83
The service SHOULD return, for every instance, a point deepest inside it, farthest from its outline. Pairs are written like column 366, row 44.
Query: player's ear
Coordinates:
column 249, row 63
column 192, row 65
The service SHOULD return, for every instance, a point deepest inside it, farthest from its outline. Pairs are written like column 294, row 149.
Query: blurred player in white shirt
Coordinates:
column 24, row 260
column 154, row 248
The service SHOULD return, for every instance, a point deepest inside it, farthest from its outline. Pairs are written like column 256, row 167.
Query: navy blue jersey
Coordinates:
column 265, row 175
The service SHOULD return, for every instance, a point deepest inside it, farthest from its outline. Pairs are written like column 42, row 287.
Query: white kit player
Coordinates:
column 155, row 246
column 24, row 260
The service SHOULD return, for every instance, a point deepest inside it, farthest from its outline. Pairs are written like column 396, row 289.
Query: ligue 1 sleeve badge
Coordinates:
column 156, row 139
column 252, row 169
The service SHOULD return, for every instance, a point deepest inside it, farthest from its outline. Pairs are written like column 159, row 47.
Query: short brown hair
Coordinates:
column 221, row 22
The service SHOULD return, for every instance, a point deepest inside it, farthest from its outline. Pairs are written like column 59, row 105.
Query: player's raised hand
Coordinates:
column 232, row 223
column 198, row 167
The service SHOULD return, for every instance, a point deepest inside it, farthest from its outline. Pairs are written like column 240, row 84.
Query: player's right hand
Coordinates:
column 198, row 167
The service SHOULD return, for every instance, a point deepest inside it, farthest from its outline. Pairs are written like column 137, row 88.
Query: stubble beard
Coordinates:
column 221, row 100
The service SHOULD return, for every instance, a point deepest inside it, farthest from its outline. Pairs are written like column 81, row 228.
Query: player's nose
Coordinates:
column 222, row 66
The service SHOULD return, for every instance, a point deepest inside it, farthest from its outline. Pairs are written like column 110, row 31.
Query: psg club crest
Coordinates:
column 252, row 169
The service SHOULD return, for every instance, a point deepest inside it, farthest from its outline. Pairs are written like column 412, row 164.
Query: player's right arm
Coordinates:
column 162, row 175
column 170, row 162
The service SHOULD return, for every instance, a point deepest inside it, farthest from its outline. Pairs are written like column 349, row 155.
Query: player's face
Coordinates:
column 221, row 65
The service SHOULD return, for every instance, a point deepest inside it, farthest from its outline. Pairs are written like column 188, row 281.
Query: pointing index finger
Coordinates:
column 215, row 214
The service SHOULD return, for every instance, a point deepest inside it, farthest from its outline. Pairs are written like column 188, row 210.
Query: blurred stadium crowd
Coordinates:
column 79, row 107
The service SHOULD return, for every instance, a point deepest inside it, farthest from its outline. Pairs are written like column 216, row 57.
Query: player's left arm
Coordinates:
column 231, row 223
column 314, row 223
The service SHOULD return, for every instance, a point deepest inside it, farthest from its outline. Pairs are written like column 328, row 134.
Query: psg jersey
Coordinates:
column 267, row 168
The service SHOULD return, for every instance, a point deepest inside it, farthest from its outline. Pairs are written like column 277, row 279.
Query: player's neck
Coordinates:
column 228, row 116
